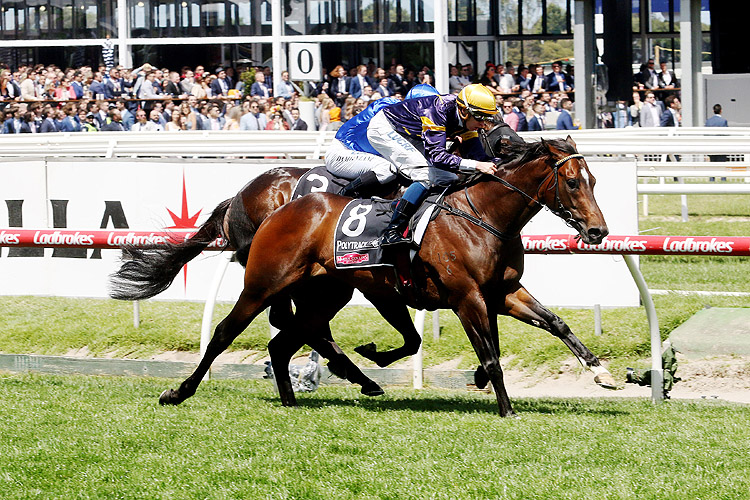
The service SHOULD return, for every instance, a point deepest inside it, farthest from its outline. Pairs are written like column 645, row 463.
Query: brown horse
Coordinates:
column 148, row 272
column 461, row 266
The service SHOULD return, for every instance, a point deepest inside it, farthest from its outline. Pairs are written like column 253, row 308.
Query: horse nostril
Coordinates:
column 595, row 234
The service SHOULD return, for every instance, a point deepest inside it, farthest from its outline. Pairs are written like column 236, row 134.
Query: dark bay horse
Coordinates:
column 148, row 272
column 460, row 266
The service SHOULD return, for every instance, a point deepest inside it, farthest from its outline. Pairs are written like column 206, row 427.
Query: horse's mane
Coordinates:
column 517, row 154
column 521, row 153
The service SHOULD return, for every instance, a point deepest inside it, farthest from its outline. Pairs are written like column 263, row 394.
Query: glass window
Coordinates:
column 483, row 24
column 636, row 16
column 535, row 51
column 508, row 17
column 213, row 14
column 658, row 20
column 531, row 17
column 557, row 17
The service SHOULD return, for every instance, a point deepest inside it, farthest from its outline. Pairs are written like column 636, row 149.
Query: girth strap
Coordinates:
column 474, row 220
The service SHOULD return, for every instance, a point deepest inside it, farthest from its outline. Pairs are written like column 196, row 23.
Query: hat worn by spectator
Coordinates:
column 219, row 70
column 90, row 115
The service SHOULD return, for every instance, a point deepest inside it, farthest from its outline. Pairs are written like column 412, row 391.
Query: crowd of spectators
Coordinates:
column 49, row 99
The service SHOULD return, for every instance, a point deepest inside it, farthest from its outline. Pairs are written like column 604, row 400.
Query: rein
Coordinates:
column 559, row 210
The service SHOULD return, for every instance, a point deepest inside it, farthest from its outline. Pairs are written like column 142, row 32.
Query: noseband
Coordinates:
column 559, row 210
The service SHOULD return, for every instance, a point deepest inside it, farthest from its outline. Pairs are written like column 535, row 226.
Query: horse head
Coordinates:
column 569, row 190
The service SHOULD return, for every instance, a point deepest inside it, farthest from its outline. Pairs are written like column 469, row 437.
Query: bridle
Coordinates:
column 559, row 210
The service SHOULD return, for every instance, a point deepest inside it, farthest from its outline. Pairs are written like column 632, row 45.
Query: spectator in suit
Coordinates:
column 671, row 117
column 255, row 119
column 647, row 77
column 286, row 88
column 28, row 125
column 383, row 88
column 259, row 88
column 97, row 87
column 70, row 122
column 221, row 85
column 186, row 84
column 523, row 78
column 565, row 119
column 115, row 83
column 30, row 89
column 651, row 112
column 338, row 90
column 297, row 122
column 172, row 87
column 77, row 84
column 48, row 124
column 717, row 120
column 558, row 80
column 127, row 117
column 142, row 124
column 536, row 122
column 155, row 117
column 215, row 120
column 667, row 78
column 400, row 84
column 359, row 81
column 538, row 82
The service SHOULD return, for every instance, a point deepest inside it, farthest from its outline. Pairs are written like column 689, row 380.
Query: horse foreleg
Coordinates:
column 243, row 312
column 520, row 304
column 474, row 317
column 395, row 312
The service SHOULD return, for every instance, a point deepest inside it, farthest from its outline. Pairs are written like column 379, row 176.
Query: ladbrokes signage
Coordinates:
column 95, row 204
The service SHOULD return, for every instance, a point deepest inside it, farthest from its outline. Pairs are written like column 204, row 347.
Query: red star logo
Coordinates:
column 184, row 221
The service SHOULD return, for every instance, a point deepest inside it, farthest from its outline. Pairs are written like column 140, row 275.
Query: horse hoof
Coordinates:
column 372, row 390
column 480, row 378
column 606, row 380
column 168, row 397
column 367, row 350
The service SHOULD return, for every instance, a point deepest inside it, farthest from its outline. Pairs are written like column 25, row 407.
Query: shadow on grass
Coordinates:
column 464, row 405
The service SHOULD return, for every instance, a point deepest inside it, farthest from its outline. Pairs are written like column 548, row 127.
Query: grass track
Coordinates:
column 97, row 437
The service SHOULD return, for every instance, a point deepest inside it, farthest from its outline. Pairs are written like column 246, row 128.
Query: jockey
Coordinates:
column 412, row 135
column 352, row 157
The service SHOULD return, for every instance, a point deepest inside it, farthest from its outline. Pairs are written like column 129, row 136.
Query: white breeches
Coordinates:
column 409, row 161
column 350, row 164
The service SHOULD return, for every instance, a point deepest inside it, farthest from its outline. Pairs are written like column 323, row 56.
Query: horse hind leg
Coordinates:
column 397, row 315
column 243, row 312
column 340, row 365
column 521, row 305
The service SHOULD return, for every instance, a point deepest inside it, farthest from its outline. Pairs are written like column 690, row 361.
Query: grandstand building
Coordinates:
column 434, row 33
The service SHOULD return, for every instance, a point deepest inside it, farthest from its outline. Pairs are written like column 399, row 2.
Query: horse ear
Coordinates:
column 570, row 141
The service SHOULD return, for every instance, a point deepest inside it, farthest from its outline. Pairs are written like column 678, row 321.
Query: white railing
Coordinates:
column 310, row 144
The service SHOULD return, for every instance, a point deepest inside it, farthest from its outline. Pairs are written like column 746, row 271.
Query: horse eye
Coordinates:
column 572, row 183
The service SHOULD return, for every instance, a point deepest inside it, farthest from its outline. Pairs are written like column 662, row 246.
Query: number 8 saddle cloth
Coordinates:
column 358, row 230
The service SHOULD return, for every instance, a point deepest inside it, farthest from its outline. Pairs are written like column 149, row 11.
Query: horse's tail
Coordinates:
column 148, row 272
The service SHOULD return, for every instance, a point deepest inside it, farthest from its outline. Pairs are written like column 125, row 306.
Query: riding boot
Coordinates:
column 394, row 233
column 360, row 185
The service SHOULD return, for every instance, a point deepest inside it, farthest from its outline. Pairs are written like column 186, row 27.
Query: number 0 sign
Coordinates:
column 304, row 61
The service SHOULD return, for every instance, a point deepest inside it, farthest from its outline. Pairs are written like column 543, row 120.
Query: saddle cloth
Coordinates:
column 362, row 221
column 318, row 180
column 357, row 237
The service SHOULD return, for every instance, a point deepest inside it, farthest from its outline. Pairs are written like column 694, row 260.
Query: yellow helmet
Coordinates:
column 476, row 100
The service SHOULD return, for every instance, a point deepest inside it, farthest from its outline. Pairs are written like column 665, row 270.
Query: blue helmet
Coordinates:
column 421, row 90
